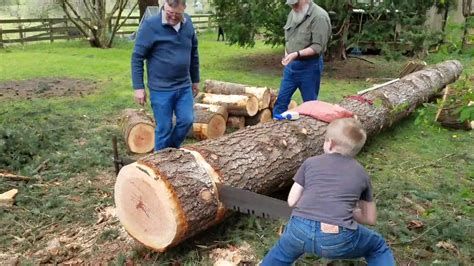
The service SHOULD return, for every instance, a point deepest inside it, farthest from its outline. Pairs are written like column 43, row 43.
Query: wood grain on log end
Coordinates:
column 147, row 207
column 142, row 138
column 252, row 106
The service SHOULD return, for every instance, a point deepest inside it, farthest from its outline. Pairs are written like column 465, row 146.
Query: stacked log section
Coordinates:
column 208, row 125
column 237, row 105
column 261, row 158
column 138, row 130
column 227, row 88
column 212, row 108
column 237, row 122
column 273, row 98
column 262, row 116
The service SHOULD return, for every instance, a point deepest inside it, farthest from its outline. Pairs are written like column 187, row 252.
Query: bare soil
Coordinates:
column 45, row 88
column 366, row 67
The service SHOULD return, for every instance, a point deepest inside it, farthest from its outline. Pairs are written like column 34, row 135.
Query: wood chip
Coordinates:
column 8, row 198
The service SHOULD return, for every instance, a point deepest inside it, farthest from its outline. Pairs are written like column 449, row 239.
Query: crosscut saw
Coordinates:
column 240, row 200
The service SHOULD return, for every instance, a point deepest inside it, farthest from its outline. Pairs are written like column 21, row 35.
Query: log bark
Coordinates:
column 448, row 114
column 168, row 196
column 227, row 88
column 238, row 105
column 138, row 130
column 262, row 116
column 208, row 125
column 237, row 122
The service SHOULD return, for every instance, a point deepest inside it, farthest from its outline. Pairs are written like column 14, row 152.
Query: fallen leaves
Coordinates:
column 415, row 224
column 448, row 245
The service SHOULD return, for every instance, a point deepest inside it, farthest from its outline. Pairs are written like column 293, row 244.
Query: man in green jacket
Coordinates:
column 307, row 32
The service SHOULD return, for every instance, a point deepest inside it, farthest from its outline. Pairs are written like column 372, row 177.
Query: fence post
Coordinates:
column 67, row 28
column 1, row 37
column 51, row 37
column 20, row 28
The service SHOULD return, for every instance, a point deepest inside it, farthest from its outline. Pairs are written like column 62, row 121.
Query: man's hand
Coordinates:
column 140, row 96
column 289, row 58
column 195, row 88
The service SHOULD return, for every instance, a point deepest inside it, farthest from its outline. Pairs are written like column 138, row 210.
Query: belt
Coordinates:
column 307, row 58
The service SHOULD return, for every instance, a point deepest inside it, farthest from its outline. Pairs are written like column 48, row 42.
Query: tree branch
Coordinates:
column 117, row 26
column 90, row 8
column 78, row 17
column 78, row 26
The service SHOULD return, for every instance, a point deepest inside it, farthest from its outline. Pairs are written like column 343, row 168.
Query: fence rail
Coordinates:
column 51, row 29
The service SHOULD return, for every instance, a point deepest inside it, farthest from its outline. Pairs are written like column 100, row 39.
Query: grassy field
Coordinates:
column 64, row 144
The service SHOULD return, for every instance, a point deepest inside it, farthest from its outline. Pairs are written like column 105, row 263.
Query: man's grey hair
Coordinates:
column 176, row 3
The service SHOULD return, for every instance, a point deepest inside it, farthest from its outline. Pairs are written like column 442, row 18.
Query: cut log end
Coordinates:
column 216, row 127
column 141, row 138
column 252, row 106
column 146, row 207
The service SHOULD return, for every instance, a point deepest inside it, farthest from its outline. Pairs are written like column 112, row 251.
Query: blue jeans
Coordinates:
column 164, row 104
column 305, row 75
column 304, row 236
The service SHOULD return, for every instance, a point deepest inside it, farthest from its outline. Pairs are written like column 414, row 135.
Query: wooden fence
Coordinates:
column 51, row 29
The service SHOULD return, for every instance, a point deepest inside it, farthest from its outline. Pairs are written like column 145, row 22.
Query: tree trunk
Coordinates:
column 170, row 195
column 143, row 4
column 208, row 125
column 238, row 105
column 261, row 117
column 138, row 129
column 227, row 88
column 237, row 122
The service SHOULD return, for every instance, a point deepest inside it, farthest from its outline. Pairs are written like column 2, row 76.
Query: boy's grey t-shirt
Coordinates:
column 332, row 184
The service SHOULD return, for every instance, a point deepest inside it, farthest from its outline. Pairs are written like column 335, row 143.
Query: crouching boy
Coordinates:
column 332, row 196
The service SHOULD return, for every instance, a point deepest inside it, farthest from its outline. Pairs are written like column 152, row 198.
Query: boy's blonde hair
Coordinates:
column 348, row 136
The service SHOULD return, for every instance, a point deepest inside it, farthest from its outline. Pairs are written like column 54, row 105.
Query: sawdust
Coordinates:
column 233, row 255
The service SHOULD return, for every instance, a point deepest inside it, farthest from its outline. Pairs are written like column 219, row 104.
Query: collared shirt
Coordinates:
column 164, row 21
column 314, row 31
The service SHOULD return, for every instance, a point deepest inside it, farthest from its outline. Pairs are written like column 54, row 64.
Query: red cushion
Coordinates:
column 323, row 111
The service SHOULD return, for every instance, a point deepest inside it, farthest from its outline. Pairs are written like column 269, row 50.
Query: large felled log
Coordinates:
column 262, row 116
column 138, row 129
column 239, row 105
column 228, row 88
column 169, row 196
column 208, row 125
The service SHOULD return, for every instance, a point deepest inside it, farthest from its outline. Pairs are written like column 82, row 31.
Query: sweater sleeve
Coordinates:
column 143, row 44
column 194, row 68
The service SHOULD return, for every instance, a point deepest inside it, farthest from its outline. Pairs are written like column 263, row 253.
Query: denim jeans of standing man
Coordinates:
column 164, row 104
column 304, row 236
column 302, row 74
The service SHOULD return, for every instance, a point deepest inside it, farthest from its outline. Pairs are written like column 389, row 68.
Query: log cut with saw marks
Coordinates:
column 138, row 130
column 227, row 88
column 169, row 196
column 238, row 105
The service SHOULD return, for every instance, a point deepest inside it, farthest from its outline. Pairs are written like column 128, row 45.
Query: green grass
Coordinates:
column 430, row 165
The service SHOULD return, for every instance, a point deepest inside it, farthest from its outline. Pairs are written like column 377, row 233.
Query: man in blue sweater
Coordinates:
column 169, row 45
